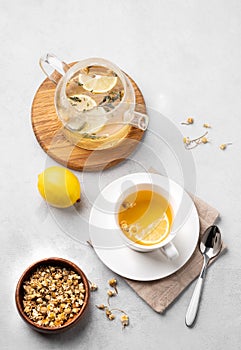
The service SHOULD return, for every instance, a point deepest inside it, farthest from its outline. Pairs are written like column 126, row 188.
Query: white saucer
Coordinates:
column 126, row 262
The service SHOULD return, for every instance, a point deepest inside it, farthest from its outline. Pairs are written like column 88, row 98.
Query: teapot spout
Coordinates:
column 53, row 67
column 139, row 120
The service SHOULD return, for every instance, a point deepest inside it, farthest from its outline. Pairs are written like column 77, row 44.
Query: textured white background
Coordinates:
column 185, row 56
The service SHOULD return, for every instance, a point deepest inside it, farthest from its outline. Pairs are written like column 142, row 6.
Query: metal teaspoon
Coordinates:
column 210, row 246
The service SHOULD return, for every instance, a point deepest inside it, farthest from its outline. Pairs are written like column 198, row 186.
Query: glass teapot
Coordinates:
column 94, row 100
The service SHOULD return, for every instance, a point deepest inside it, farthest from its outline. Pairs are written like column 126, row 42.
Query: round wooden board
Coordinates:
column 48, row 131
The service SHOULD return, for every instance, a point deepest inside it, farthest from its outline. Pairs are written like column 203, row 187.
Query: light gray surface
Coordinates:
column 185, row 56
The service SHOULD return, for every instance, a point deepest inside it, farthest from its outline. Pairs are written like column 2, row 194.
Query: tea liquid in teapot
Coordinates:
column 95, row 101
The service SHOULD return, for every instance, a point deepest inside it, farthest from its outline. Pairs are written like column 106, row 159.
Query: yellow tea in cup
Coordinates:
column 145, row 217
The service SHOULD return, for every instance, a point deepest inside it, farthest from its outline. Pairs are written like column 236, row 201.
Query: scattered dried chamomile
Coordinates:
column 188, row 121
column 93, row 286
column 124, row 320
column 113, row 284
column 111, row 317
column 223, row 146
column 110, row 293
column 109, row 311
column 192, row 143
column 207, row 126
column 204, row 140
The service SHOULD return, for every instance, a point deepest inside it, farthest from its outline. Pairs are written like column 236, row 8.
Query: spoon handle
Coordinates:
column 194, row 303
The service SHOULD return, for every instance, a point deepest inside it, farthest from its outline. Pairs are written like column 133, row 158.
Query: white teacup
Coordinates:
column 166, row 245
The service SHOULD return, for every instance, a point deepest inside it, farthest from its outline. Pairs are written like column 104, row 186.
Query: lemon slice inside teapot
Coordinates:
column 100, row 84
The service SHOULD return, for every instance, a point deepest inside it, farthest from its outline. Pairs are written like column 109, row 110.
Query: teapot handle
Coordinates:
column 58, row 67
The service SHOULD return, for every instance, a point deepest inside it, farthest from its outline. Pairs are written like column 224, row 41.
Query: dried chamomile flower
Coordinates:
column 223, row 146
column 188, row 121
column 123, row 222
column 93, row 287
column 186, row 140
column 204, row 140
column 112, row 282
column 111, row 293
column 206, row 125
column 133, row 229
column 108, row 312
column 101, row 306
column 124, row 320
column 124, row 227
column 128, row 205
column 111, row 317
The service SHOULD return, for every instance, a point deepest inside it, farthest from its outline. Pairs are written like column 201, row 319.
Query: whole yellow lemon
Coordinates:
column 59, row 187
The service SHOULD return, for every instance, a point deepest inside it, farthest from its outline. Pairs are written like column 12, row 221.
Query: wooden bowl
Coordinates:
column 19, row 294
